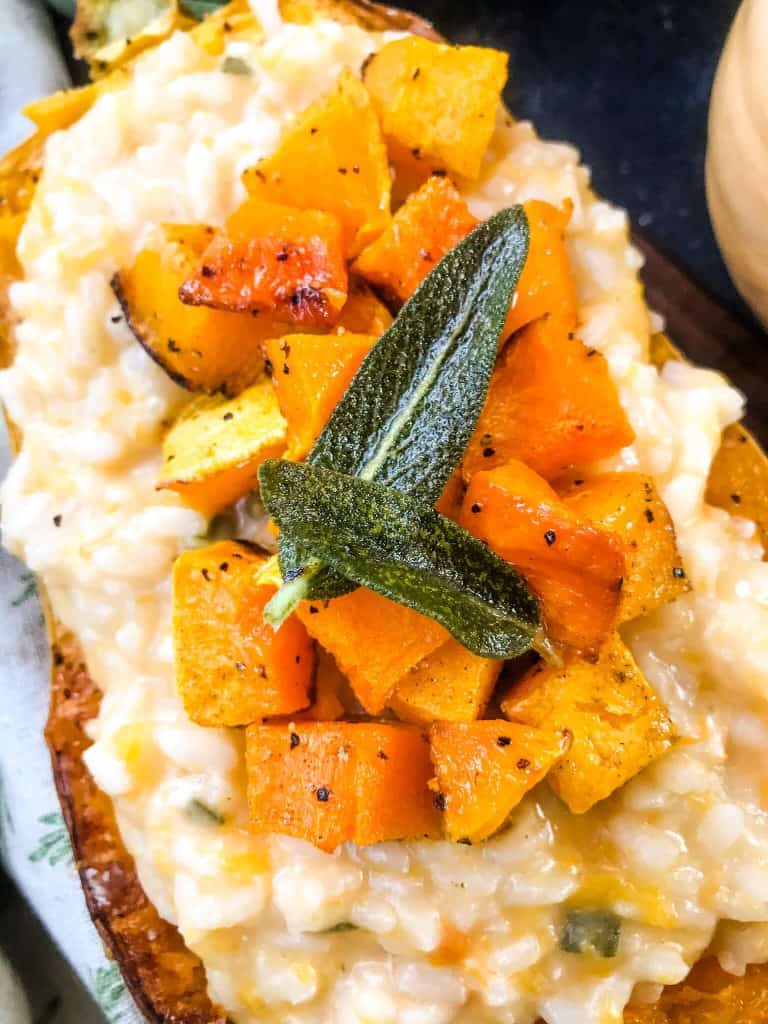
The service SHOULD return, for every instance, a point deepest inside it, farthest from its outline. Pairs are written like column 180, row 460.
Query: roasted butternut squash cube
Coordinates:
column 333, row 157
column 201, row 349
column 438, row 101
column 435, row 219
column 451, row 685
column 310, row 373
column 629, row 505
column 363, row 312
column 618, row 723
column 278, row 260
column 212, row 453
column 428, row 224
column 552, row 403
column 575, row 567
column 546, row 284
column 484, row 769
column 374, row 640
column 231, row 667
column 336, row 782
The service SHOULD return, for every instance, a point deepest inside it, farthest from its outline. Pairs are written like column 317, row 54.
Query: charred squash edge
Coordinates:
column 167, row 980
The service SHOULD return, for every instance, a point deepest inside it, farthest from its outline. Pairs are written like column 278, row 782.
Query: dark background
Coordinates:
column 626, row 82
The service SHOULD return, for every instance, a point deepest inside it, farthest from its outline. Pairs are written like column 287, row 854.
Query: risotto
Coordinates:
column 414, row 932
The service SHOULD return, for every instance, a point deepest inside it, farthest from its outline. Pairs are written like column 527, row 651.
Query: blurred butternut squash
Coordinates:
column 437, row 101
column 334, row 782
column 629, row 505
column 212, row 453
column 200, row 349
column 552, row 403
column 484, row 769
column 575, row 567
column 278, row 260
column 374, row 641
column 231, row 667
column 310, row 373
column 618, row 724
column 332, row 158
column 451, row 685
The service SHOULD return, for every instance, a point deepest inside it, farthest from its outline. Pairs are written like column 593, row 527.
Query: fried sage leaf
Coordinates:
column 401, row 548
column 408, row 415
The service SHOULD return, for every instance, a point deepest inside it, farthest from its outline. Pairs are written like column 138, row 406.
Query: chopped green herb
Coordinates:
column 204, row 814
column 407, row 416
column 236, row 66
column 343, row 926
column 201, row 8
column 591, row 931
column 403, row 549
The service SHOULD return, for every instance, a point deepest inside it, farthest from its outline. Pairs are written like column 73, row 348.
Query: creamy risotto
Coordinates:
column 442, row 932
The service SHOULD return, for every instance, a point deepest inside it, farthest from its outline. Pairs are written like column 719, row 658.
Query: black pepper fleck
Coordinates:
column 736, row 499
column 476, row 507
column 488, row 453
column 240, row 666
column 649, row 515
column 228, row 416
column 439, row 802
column 57, row 520
column 523, row 764
column 295, row 741
column 504, row 741
column 206, row 574
column 323, row 794
column 550, row 537
column 678, row 573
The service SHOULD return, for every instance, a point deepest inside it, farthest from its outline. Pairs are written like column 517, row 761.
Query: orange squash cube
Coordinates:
column 333, row 158
column 201, row 349
column 280, row 260
column 310, row 373
column 424, row 229
column 336, row 782
column 484, row 769
column 546, row 285
column 231, row 667
column 629, row 505
column 616, row 719
column 552, row 403
column 576, row 568
column 374, row 640
column 438, row 101
column 451, row 685
column 363, row 312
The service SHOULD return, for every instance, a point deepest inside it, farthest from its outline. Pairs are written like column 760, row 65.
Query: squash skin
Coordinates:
column 200, row 349
column 166, row 979
column 575, row 568
column 212, row 453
